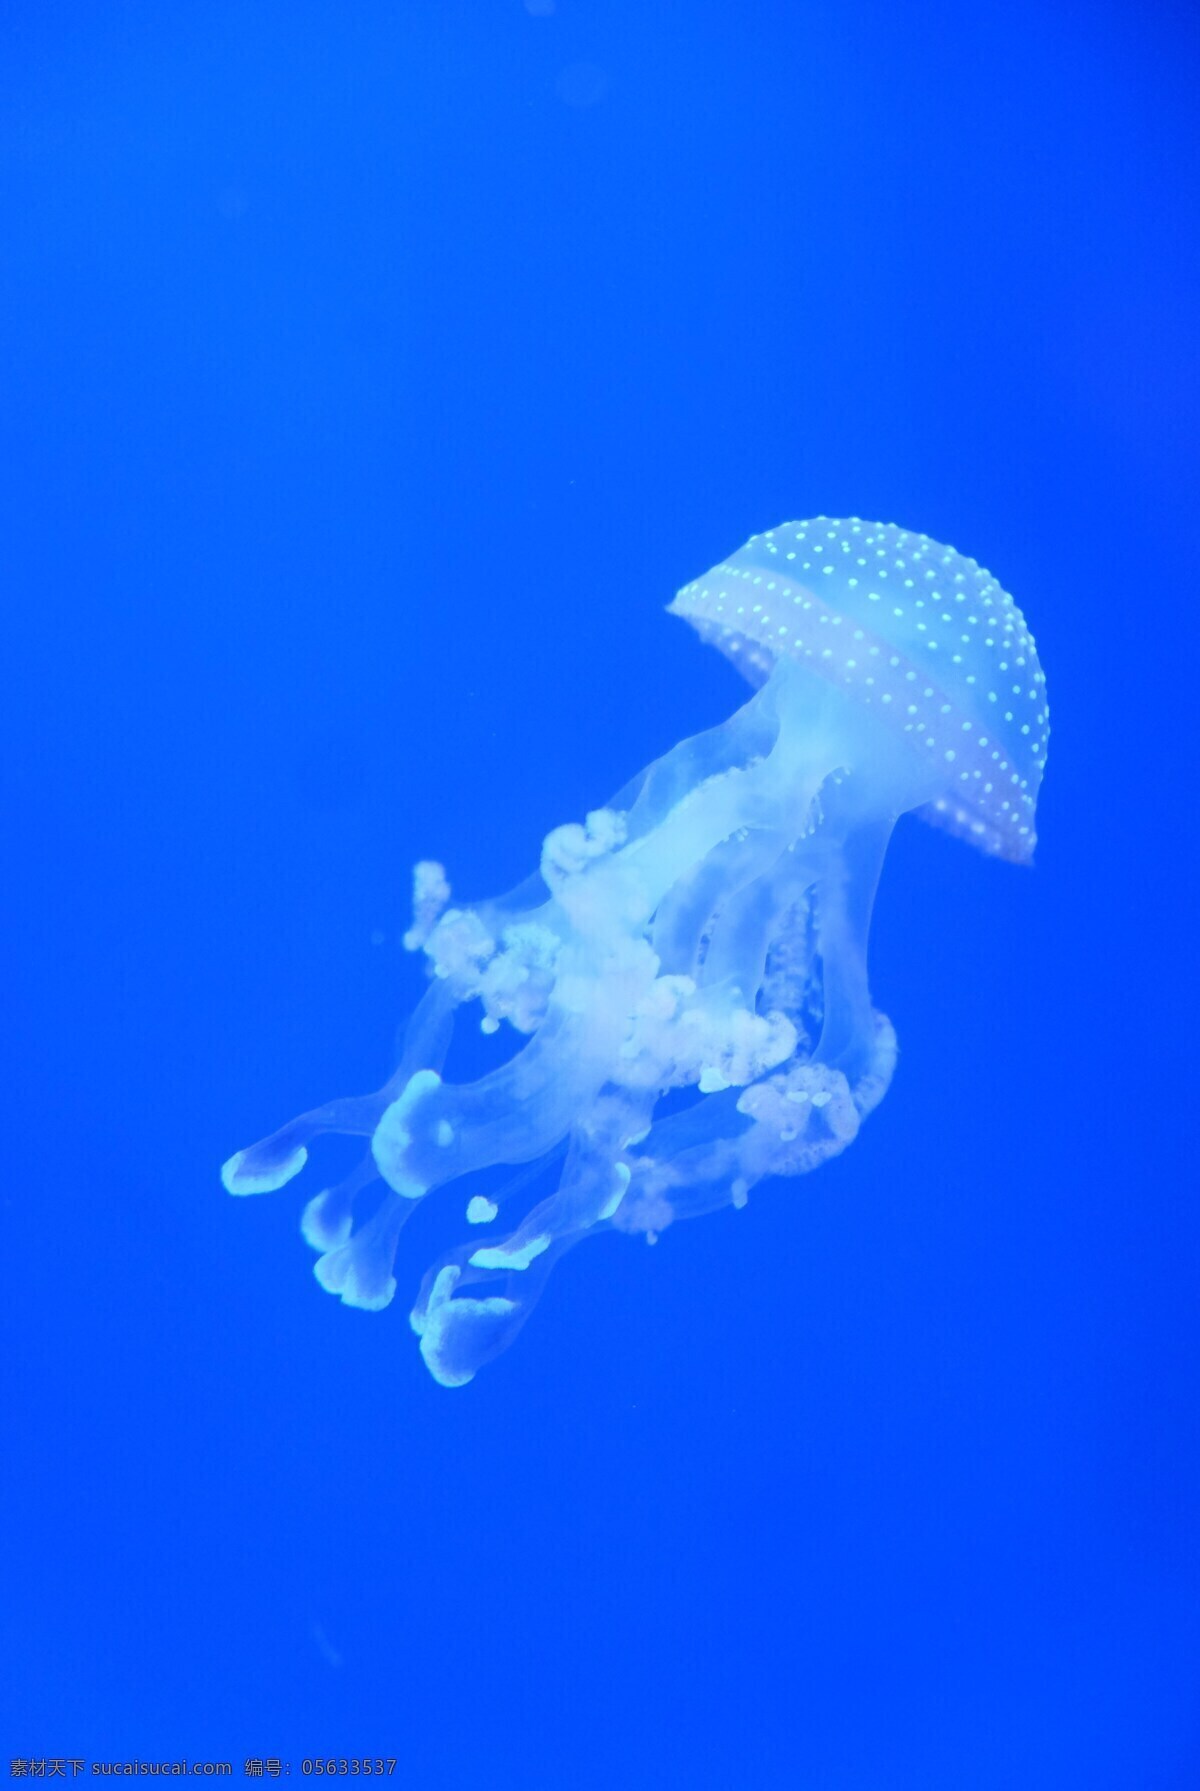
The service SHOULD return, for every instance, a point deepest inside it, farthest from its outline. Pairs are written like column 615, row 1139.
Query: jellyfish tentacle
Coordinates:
column 263, row 1167
column 435, row 1131
column 844, row 898
column 786, row 1123
column 328, row 1219
column 651, row 796
column 685, row 912
column 426, row 1038
column 360, row 1270
column 459, row 1331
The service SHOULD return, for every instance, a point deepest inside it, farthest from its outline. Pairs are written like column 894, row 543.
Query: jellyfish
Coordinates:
column 681, row 990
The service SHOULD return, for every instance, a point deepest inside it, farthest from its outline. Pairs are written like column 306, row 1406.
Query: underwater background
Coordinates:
column 373, row 377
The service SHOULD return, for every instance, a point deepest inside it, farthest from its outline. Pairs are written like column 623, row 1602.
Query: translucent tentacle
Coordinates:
column 787, row 1123
column 845, row 895
column 263, row 1167
column 697, row 935
column 360, row 1270
column 460, row 1331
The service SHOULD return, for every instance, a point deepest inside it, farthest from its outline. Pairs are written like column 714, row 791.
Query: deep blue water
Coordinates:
column 373, row 375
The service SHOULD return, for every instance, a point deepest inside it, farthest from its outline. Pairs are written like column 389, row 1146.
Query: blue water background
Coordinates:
column 373, row 375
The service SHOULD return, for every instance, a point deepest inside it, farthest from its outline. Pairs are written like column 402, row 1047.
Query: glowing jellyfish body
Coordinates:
column 700, row 943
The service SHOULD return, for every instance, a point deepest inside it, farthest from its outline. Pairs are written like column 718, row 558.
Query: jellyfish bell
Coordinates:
column 684, row 985
column 910, row 631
